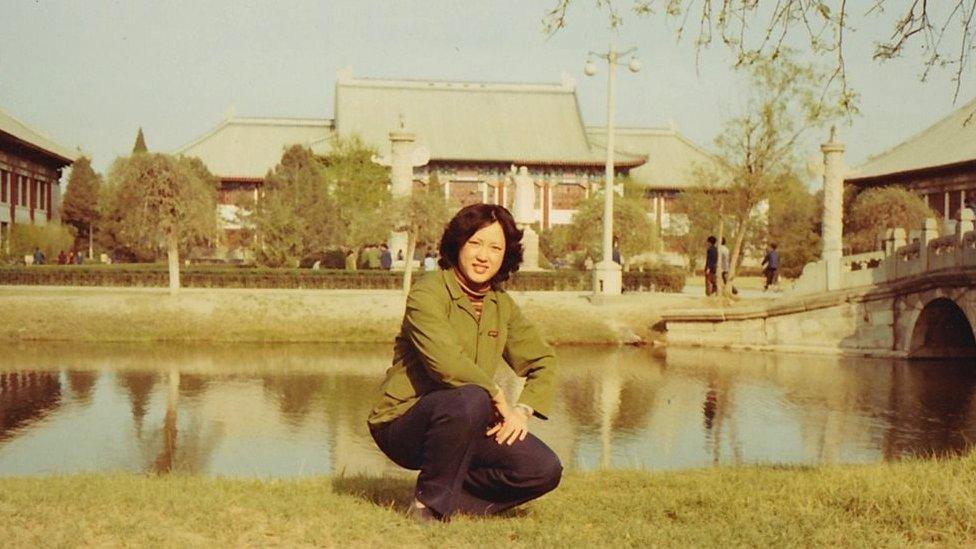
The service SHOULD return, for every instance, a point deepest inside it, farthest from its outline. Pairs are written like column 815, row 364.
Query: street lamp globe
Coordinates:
column 634, row 65
column 590, row 68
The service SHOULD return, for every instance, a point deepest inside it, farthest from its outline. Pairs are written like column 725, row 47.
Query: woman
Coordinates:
column 440, row 410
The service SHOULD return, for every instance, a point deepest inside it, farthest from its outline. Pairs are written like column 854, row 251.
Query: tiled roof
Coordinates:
column 671, row 157
column 247, row 148
column 34, row 138
column 949, row 141
column 477, row 121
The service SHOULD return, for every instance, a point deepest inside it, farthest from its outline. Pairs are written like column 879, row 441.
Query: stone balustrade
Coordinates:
column 901, row 257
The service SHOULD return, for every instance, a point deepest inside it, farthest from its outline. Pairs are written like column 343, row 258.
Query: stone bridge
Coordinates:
column 915, row 298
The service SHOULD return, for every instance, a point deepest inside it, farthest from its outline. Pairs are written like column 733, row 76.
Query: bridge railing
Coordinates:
column 900, row 258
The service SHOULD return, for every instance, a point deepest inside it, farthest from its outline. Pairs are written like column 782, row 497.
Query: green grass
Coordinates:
column 917, row 503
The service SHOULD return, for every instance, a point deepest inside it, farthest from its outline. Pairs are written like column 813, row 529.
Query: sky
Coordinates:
column 89, row 73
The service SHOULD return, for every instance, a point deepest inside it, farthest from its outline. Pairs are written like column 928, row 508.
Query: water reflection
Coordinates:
column 299, row 410
column 25, row 398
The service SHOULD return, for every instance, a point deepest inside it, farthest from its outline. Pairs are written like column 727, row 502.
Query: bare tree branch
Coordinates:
column 750, row 29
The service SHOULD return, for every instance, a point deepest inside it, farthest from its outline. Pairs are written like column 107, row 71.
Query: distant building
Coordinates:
column 474, row 131
column 938, row 163
column 30, row 174
column 671, row 162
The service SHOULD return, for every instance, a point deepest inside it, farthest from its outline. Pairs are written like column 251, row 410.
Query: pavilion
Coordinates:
column 938, row 163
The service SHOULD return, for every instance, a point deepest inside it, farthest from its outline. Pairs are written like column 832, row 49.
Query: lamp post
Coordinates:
column 607, row 278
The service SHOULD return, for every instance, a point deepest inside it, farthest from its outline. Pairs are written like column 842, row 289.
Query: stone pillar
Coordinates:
column 833, row 210
column 965, row 223
column 523, row 210
column 888, row 241
column 930, row 231
column 946, row 215
column 401, row 179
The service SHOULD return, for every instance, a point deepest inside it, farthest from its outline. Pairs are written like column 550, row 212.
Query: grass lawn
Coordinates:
column 931, row 502
column 90, row 314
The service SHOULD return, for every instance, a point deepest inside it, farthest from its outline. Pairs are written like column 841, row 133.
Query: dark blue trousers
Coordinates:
column 461, row 469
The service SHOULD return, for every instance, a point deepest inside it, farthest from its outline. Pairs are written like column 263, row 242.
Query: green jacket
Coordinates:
column 442, row 345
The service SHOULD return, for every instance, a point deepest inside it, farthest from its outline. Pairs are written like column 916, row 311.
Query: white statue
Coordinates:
column 524, row 202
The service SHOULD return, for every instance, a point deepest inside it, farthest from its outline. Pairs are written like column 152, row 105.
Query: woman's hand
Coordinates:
column 513, row 423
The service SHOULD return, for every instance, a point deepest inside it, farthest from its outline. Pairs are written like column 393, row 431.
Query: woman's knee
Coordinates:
column 471, row 403
column 551, row 472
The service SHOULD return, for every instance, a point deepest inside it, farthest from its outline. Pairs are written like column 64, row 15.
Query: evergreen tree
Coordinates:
column 361, row 189
column 162, row 200
column 424, row 214
column 877, row 209
column 79, row 208
column 295, row 215
column 140, row 145
column 636, row 233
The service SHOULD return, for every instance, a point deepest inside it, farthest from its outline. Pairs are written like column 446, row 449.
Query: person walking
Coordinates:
column 771, row 263
column 711, row 265
column 439, row 409
column 725, row 264
column 38, row 256
column 386, row 258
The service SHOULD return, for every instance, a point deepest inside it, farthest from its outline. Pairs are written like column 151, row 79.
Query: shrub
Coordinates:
column 665, row 279
column 50, row 238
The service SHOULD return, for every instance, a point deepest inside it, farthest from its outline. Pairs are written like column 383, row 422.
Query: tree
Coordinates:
column 424, row 214
column 295, row 215
column 875, row 210
column 631, row 225
column 793, row 223
column 80, row 205
column 757, row 148
column 163, row 201
column 140, row 144
column 753, row 30
column 361, row 189
column 701, row 211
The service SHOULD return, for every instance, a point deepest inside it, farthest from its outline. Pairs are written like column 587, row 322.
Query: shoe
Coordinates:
column 423, row 515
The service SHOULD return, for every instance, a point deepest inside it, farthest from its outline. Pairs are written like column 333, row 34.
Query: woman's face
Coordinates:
column 481, row 256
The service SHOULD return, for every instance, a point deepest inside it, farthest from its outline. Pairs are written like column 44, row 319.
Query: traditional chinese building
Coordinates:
column 474, row 133
column 938, row 163
column 670, row 168
column 30, row 174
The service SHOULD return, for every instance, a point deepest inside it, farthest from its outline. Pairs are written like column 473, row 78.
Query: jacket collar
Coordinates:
column 455, row 290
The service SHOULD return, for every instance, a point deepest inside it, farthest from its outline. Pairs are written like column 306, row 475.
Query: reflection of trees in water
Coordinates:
column 26, row 397
column 139, row 386
column 610, row 395
column 931, row 409
column 294, row 394
column 81, row 385
column 170, row 448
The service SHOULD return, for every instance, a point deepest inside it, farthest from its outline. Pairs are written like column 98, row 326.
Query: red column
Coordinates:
column 31, row 196
column 14, row 195
column 49, row 187
column 545, row 204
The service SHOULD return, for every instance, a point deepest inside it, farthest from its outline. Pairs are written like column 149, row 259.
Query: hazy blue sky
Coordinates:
column 90, row 72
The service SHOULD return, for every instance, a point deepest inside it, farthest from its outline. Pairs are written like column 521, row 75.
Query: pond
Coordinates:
column 296, row 410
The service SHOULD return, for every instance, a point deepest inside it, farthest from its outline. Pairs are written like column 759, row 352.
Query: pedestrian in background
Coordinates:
column 711, row 265
column 386, row 258
column 771, row 263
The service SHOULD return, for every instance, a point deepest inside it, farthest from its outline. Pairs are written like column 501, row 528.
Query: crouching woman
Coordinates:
column 439, row 410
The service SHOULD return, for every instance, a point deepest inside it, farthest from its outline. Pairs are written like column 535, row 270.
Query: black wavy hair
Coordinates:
column 469, row 220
